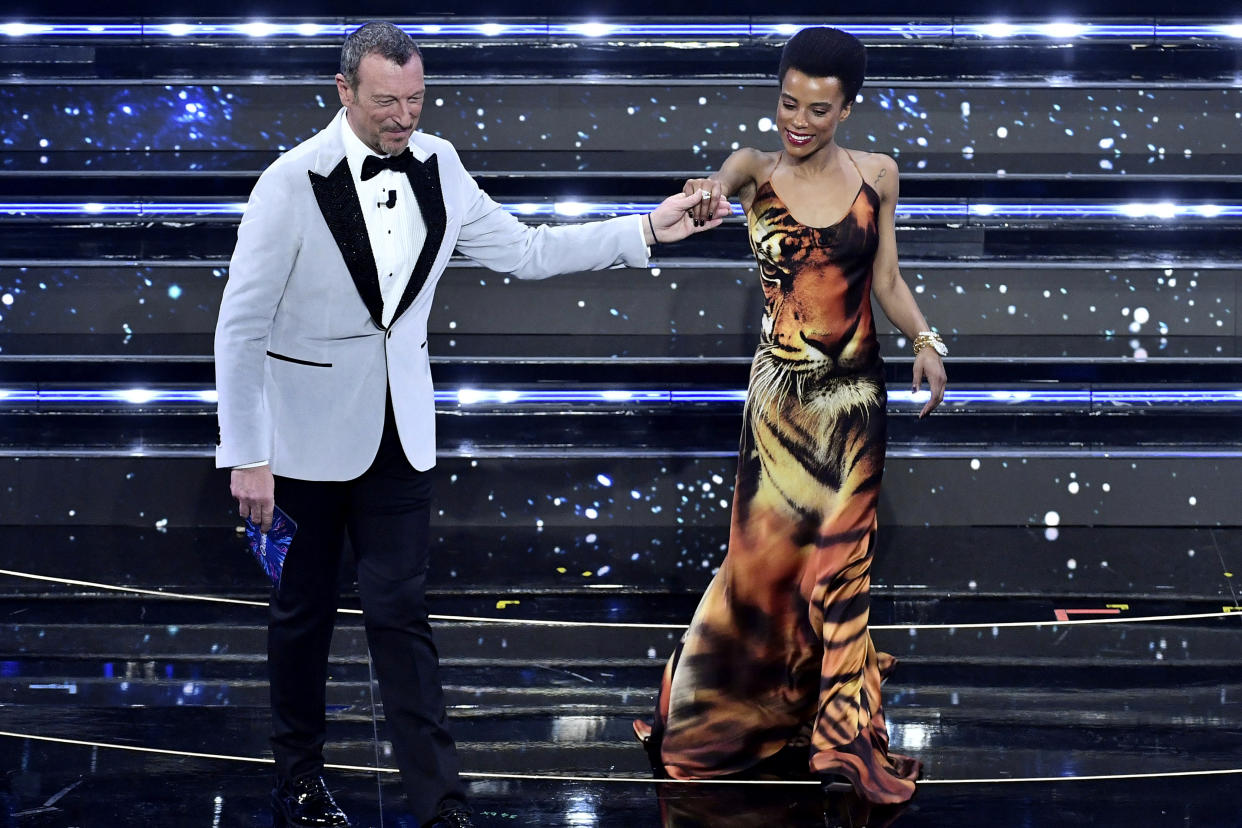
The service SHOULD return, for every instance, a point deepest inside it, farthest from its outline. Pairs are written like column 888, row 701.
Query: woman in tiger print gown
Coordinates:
column 778, row 657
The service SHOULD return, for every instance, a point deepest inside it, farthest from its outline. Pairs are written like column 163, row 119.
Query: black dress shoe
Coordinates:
column 452, row 818
column 306, row 803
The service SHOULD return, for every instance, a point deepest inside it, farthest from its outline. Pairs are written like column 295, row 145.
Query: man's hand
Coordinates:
column 928, row 365
column 255, row 490
column 679, row 216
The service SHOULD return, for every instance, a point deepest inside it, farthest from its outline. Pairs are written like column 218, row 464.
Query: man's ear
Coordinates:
column 343, row 90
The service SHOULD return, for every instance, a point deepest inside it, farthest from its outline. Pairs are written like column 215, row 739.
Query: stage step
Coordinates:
column 935, row 486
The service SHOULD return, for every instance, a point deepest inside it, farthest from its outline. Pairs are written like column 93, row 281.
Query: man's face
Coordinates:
column 383, row 111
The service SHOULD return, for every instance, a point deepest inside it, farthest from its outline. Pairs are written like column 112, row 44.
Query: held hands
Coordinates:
column 704, row 209
column 928, row 365
column 680, row 216
column 255, row 490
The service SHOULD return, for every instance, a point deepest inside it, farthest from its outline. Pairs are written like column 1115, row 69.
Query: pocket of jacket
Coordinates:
column 296, row 361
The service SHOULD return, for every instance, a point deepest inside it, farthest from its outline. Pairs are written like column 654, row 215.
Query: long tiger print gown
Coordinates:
column 779, row 643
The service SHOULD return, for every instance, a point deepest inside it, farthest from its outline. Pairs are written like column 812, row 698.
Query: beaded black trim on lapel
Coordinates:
column 425, row 181
column 338, row 201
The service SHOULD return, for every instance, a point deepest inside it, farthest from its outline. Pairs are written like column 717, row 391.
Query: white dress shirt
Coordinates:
column 397, row 233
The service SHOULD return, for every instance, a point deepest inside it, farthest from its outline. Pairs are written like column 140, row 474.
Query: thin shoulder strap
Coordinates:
column 779, row 158
column 855, row 163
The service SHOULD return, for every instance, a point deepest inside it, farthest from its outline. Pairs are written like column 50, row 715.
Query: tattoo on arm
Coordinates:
column 881, row 175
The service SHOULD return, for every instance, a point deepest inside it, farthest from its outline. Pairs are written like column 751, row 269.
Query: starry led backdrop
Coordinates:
column 646, row 520
column 1101, row 310
column 661, row 522
column 1131, row 130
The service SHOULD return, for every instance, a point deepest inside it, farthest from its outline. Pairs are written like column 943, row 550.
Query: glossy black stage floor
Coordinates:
column 1059, row 544
column 135, row 710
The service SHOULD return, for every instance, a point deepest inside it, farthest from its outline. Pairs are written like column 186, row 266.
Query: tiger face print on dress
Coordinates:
column 813, row 380
column 816, row 285
column 778, row 658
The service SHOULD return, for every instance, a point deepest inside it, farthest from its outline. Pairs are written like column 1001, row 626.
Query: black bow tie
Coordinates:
column 372, row 164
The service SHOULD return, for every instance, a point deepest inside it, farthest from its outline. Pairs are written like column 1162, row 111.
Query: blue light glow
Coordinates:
column 465, row 397
column 879, row 30
column 1054, row 30
column 470, row 396
column 1149, row 397
column 596, row 209
column 1059, row 30
column 254, row 29
column 592, row 29
column 123, row 208
column 1229, row 30
column 131, row 396
column 670, row 30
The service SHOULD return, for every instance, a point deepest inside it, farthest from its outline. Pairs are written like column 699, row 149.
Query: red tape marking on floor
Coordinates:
column 1064, row 614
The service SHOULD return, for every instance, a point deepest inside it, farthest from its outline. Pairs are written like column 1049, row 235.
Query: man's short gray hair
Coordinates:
column 375, row 38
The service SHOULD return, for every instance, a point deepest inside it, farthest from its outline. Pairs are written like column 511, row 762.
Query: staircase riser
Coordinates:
column 497, row 492
column 683, row 300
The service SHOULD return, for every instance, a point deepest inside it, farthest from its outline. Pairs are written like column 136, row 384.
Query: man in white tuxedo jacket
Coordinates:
column 325, row 396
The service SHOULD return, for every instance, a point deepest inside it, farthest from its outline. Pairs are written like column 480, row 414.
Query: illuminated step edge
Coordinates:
column 985, row 267
column 602, row 209
column 648, row 397
column 464, row 449
column 1054, row 30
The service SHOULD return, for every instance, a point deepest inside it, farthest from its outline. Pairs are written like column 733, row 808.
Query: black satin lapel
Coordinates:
column 338, row 201
column 425, row 181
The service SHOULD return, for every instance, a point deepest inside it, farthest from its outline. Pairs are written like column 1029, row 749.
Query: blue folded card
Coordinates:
column 269, row 548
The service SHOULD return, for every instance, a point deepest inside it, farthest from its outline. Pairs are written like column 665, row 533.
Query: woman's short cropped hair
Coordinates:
column 823, row 52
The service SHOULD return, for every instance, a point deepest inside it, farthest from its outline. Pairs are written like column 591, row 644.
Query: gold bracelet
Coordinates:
column 930, row 339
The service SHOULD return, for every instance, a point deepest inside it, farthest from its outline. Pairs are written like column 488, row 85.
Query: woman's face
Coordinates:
column 809, row 111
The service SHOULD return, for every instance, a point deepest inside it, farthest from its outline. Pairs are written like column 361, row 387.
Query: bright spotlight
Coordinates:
column 570, row 208
column 593, row 29
column 1063, row 30
column 256, row 29
column 138, row 396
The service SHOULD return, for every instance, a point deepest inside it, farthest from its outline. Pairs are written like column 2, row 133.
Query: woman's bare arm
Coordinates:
column 890, row 288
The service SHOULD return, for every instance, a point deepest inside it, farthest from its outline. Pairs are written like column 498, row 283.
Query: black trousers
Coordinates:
column 386, row 513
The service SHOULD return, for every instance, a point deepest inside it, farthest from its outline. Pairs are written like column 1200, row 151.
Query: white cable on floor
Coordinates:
column 537, row 622
column 633, row 780
column 181, row 596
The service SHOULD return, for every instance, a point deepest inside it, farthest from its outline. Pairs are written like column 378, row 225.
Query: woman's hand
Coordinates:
column 710, row 193
column 929, row 366
column 674, row 219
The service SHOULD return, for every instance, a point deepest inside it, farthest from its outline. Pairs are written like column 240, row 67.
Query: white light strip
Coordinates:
column 1052, row 30
column 467, row 397
column 913, row 209
column 180, row 596
column 1062, row 30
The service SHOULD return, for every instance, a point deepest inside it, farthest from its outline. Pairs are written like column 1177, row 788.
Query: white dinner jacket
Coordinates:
column 302, row 359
